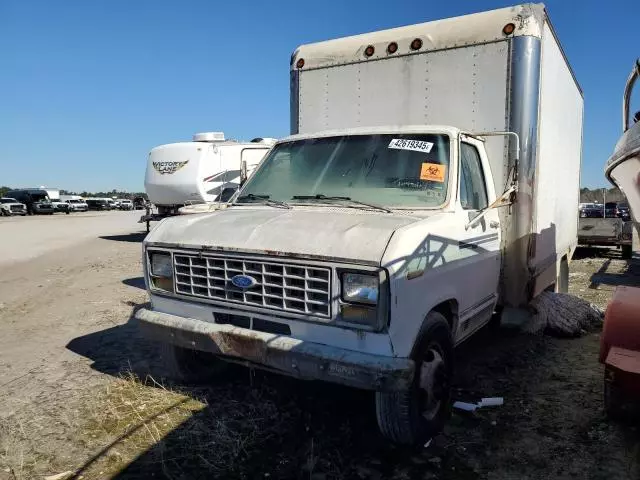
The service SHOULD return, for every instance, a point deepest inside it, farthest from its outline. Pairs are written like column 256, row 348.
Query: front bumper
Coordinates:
column 286, row 355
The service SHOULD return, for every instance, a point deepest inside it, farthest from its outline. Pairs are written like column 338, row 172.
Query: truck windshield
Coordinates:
column 392, row 170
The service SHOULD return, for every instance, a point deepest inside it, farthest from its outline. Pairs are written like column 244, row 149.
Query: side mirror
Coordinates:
column 506, row 199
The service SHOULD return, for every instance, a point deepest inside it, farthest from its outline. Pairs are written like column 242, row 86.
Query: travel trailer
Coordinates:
column 207, row 169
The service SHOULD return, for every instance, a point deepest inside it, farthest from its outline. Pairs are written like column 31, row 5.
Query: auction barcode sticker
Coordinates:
column 415, row 145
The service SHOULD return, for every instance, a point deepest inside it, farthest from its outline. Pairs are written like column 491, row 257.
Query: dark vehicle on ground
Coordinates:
column 98, row 204
column 10, row 206
column 591, row 210
column 36, row 200
column 623, row 211
column 599, row 210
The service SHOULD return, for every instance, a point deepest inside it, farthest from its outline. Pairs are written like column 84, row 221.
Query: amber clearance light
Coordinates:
column 508, row 29
column 300, row 63
column 416, row 44
column 370, row 50
column 392, row 48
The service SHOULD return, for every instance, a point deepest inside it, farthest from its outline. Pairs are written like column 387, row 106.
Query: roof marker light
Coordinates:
column 508, row 29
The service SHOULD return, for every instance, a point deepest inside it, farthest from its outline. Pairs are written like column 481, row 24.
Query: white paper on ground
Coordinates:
column 467, row 407
column 490, row 402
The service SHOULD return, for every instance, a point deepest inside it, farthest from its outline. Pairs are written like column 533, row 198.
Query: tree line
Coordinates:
column 598, row 195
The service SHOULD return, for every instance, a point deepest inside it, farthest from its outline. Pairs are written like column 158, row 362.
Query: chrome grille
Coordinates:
column 279, row 286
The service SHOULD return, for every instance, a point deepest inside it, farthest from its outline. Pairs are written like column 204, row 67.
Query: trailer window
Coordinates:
column 473, row 188
column 394, row 170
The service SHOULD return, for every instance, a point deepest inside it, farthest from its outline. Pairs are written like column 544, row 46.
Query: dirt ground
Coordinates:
column 81, row 391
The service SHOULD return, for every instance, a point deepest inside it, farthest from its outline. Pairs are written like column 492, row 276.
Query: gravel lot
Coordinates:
column 24, row 238
column 81, row 391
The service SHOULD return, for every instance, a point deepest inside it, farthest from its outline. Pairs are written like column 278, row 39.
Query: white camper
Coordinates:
column 207, row 169
column 201, row 170
column 431, row 182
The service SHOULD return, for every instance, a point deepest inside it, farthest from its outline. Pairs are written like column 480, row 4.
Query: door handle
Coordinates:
column 494, row 224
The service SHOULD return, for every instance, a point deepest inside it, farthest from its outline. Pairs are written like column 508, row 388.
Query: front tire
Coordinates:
column 412, row 417
column 191, row 366
column 627, row 252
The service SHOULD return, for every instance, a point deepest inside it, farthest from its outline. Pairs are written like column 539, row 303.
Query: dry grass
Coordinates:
column 137, row 425
column 137, row 428
column 21, row 455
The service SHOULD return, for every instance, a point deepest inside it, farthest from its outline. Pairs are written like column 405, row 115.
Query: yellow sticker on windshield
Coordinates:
column 433, row 172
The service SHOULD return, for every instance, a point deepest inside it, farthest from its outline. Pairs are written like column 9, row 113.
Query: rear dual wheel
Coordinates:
column 412, row 417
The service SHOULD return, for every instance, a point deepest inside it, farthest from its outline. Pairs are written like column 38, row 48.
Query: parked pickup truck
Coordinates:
column 431, row 182
column 611, row 231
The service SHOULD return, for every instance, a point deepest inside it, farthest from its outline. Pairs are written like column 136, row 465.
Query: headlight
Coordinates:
column 161, row 275
column 360, row 288
column 161, row 265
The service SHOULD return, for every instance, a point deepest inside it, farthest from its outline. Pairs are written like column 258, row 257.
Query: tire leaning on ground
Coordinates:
column 191, row 366
column 627, row 252
column 412, row 417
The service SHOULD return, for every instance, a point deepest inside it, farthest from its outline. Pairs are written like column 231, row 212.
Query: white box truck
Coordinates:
column 432, row 180
column 207, row 169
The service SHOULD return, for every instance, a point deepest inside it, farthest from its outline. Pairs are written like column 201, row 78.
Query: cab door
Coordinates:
column 479, row 245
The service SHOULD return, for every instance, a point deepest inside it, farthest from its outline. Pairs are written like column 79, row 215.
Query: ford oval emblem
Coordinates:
column 244, row 281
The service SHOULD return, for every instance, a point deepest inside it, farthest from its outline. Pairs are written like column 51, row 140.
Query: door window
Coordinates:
column 473, row 188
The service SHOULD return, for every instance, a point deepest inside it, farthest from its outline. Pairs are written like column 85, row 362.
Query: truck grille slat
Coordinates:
column 279, row 286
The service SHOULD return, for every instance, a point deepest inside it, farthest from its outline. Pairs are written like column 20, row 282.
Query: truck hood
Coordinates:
column 329, row 233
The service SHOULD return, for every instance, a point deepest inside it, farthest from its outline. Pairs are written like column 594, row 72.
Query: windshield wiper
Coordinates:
column 265, row 200
column 320, row 196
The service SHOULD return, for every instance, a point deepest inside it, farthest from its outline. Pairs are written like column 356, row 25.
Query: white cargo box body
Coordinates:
column 469, row 74
column 197, row 172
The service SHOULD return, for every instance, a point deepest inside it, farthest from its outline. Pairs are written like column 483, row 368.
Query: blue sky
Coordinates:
column 87, row 88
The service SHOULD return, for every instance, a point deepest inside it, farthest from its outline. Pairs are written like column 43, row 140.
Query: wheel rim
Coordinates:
column 434, row 381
